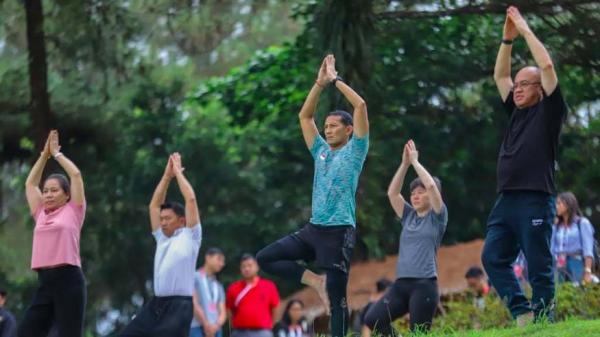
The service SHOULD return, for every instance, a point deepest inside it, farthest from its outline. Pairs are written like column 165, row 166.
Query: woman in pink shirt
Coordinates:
column 58, row 210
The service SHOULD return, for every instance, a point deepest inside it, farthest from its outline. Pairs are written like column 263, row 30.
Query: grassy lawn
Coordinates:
column 570, row 328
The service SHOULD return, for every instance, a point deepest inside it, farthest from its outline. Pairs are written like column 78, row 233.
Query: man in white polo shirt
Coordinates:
column 178, row 234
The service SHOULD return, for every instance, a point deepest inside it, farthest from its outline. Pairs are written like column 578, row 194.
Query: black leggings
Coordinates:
column 332, row 256
column 416, row 296
column 60, row 301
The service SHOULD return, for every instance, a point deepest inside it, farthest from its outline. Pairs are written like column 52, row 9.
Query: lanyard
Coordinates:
column 244, row 292
column 213, row 293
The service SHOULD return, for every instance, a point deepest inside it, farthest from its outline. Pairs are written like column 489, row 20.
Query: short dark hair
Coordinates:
column 63, row 181
column 214, row 251
column 474, row 272
column 247, row 256
column 418, row 183
column 382, row 284
column 345, row 116
column 3, row 292
column 176, row 207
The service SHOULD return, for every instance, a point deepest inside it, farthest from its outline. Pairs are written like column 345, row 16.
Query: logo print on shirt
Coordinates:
column 537, row 222
column 323, row 155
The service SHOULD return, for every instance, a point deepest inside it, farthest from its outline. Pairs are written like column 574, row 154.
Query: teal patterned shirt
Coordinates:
column 335, row 181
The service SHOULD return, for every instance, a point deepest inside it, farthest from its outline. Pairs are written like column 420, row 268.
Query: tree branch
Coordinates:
column 551, row 7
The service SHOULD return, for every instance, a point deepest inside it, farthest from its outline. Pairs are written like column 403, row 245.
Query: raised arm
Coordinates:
column 361, row 120
column 307, row 113
column 192, row 214
column 159, row 196
column 32, row 184
column 502, row 76
column 435, row 197
column 77, row 189
column 395, row 188
column 538, row 51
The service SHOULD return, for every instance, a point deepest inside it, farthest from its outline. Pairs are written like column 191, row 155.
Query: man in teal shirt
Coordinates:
column 328, row 239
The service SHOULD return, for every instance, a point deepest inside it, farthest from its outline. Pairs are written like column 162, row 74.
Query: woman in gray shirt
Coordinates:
column 424, row 221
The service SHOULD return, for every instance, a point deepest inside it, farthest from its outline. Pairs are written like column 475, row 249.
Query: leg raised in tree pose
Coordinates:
column 178, row 234
column 329, row 237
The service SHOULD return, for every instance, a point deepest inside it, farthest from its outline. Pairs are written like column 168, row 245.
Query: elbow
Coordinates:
column 547, row 66
column 75, row 174
column 498, row 78
column 362, row 105
column 430, row 186
column 393, row 196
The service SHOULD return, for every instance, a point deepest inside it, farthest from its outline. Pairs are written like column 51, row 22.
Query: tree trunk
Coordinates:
column 42, row 118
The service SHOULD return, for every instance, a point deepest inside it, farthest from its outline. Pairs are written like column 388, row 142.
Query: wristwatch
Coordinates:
column 507, row 41
column 337, row 78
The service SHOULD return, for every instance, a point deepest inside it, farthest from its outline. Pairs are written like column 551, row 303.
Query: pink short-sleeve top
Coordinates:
column 56, row 236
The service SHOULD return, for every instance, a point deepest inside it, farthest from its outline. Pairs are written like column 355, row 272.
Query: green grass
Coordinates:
column 570, row 328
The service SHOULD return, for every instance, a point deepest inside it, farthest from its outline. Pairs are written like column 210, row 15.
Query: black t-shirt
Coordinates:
column 528, row 151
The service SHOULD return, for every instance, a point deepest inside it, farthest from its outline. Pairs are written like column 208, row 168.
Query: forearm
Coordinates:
column 395, row 186
column 310, row 103
column 354, row 98
column 538, row 51
column 502, row 67
column 589, row 262
column 186, row 188
column 69, row 167
column 200, row 317
column 424, row 175
column 160, row 193
column 35, row 175
column 222, row 318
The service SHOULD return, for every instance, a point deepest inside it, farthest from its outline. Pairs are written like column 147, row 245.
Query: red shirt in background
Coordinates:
column 254, row 310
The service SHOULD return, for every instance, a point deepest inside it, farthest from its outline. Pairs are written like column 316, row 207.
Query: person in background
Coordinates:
column 209, row 297
column 478, row 284
column 251, row 302
column 381, row 286
column 572, row 241
column 293, row 323
column 8, row 324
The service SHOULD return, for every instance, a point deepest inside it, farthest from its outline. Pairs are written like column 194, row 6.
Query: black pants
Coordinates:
column 331, row 248
column 521, row 220
column 161, row 317
column 60, row 300
column 417, row 296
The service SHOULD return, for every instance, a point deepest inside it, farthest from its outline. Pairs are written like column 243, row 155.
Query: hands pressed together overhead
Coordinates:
column 327, row 72
column 515, row 24
column 174, row 166
column 410, row 155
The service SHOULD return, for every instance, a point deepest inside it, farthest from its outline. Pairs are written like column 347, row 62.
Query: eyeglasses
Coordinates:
column 524, row 84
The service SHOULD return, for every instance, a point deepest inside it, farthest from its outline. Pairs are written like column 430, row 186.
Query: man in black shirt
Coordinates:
column 524, row 210
column 8, row 325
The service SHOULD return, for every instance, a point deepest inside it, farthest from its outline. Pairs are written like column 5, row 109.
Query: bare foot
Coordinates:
column 319, row 284
column 321, row 289
column 525, row 319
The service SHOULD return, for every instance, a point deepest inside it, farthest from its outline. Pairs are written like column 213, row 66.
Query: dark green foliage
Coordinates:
column 125, row 95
